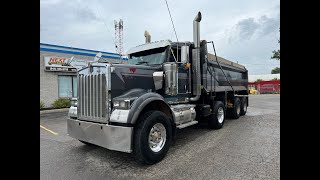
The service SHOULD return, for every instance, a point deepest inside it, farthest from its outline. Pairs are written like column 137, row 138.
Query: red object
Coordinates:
column 133, row 69
column 266, row 87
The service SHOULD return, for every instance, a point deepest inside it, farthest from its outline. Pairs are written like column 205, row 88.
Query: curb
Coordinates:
column 263, row 94
column 54, row 110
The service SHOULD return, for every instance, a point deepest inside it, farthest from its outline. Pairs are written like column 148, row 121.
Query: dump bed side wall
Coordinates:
column 236, row 73
column 238, row 79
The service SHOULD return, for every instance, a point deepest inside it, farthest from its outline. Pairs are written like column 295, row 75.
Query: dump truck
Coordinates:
column 137, row 107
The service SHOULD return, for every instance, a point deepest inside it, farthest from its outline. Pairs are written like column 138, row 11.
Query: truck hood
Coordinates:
column 127, row 76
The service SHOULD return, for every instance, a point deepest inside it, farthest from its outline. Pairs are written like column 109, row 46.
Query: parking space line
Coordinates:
column 48, row 130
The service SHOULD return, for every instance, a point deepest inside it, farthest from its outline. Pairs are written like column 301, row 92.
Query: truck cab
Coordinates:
column 137, row 107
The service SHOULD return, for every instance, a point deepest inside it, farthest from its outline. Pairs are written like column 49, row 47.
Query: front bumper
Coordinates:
column 116, row 138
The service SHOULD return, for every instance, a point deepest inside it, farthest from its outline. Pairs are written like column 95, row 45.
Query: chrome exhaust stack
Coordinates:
column 196, row 74
column 196, row 30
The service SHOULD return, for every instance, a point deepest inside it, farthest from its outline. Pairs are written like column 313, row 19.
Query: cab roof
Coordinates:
column 147, row 46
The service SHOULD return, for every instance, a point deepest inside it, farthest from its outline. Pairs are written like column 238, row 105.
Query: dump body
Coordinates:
column 236, row 74
column 212, row 77
column 214, row 80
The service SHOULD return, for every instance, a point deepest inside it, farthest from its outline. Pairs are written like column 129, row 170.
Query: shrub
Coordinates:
column 61, row 103
column 41, row 105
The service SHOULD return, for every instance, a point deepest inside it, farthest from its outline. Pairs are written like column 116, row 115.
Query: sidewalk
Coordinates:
column 54, row 110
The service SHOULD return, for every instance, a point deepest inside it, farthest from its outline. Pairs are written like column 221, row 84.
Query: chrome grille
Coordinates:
column 92, row 97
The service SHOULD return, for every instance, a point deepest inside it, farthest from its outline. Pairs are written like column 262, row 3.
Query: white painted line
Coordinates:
column 49, row 130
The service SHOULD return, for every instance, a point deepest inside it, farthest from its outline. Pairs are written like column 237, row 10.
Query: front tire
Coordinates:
column 152, row 137
column 216, row 120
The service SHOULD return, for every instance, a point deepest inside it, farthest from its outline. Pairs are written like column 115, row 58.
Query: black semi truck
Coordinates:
column 137, row 107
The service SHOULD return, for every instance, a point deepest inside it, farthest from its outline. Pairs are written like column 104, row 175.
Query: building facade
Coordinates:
column 58, row 67
column 265, row 83
column 266, row 87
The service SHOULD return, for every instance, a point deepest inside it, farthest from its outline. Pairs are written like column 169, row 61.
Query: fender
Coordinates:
column 141, row 98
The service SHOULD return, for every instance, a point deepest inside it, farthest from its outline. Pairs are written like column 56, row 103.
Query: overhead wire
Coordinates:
column 174, row 31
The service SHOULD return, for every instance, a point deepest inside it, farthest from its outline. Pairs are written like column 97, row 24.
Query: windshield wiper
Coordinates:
column 141, row 62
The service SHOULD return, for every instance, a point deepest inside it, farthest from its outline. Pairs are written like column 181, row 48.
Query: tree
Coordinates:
column 276, row 70
column 276, row 53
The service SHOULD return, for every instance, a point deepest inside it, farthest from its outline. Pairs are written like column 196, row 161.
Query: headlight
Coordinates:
column 123, row 104
column 74, row 102
column 72, row 112
column 116, row 104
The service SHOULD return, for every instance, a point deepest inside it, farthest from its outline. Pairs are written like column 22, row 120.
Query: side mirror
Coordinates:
column 184, row 54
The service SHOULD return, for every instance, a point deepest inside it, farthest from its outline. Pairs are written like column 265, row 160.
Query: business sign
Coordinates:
column 63, row 64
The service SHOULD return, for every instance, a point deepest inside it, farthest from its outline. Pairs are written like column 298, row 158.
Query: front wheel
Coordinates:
column 152, row 137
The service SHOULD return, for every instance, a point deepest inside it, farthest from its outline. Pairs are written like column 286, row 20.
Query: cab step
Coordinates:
column 181, row 126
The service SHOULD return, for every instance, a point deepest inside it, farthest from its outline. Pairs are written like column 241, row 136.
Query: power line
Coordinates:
column 172, row 21
column 98, row 10
column 174, row 31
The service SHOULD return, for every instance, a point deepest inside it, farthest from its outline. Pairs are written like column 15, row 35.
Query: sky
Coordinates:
column 245, row 31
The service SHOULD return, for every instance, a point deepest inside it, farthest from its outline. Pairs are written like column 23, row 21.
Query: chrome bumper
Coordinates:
column 116, row 138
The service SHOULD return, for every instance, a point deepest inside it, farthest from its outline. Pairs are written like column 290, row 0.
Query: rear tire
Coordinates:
column 244, row 105
column 235, row 110
column 152, row 137
column 216, row 119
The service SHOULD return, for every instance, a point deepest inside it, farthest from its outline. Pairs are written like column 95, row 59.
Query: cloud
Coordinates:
column 86, row 15
column 251, row 40
column 269, row 25
column 247, row 29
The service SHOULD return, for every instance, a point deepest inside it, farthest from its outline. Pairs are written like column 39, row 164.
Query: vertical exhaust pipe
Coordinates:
column 196, row 30
column 196, row 74
column 148, row 36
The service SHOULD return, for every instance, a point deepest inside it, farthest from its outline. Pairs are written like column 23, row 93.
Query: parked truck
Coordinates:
column 137, row 107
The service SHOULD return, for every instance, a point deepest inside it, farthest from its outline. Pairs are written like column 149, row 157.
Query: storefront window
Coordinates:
column 67, row 86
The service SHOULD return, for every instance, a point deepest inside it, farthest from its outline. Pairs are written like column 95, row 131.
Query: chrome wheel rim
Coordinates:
column 220, row 115
column 238, row 109
column 157, row 137
column 245, row 107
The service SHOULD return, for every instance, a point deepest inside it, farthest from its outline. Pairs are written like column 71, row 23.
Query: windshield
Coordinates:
column 149, row 57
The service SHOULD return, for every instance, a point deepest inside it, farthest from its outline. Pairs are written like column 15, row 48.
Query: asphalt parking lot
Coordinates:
column 246, row 148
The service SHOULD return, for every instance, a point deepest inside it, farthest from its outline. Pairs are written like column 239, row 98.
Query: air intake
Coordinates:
column 148, row 37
